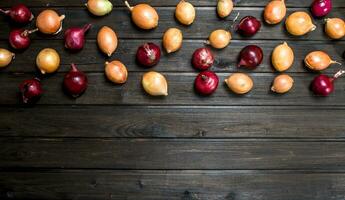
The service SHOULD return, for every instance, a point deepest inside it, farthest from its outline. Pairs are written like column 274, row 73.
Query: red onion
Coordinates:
column 75, row 37
column 19, row 38
column 321, row 8
column 323, row 84
column 75, row 82
column 148, row 54
column 206, row 82
column 30, row 90
column 249, row 26
column 250, row 57
column 203, row 58
column 19, row 14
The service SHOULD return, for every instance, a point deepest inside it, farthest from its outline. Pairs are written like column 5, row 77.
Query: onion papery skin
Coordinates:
column 321, row 8
column 335, row 28
column 116, row 72
column 19, row 14
column 282, row 84
column 318, row 60
column 299, row 23
column 75, row 37
column 30, row 91
column 75, row 82
column 250, row 57
column 203, row 59
column 144, row 16
column 206, row 83
column 107, row 40
column 99, row 7
column 49, row 22
column 219, row 39
column 239, row 83
column 275, row 11
column 248, row 26
column 48, row 60
column 148, row 54
column 172, row 40
column 224, row 8
column 185, row 12
column 155, row 84
column 6, row 57
column 282, row 57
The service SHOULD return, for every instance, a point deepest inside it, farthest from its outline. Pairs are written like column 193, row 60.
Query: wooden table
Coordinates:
column 116, row 142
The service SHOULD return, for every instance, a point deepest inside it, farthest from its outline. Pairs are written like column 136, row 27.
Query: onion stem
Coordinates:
column 4, row 11
column 338, row 74
column 128, row 6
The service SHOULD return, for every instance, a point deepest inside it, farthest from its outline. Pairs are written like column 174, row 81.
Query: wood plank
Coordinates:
column 171, row 153
column 181, row 91
column 170, row 122
column 92, row 60
column 172, row 185
column 206, row 22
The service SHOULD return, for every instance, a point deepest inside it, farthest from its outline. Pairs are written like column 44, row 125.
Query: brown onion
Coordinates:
column 144, row 16
column 282, row 84
column 224, row 8
column 107, row 40
column 239, row 83
column 318, row 60
column 48, row 60
column 282, row 57
column 335, row 28
column 219, row 39
column 172, row 40
column 5, row 57
column 99, row 7
column 155, row 84
column 116, row 72
column 49, row 22
column 185, row 12
column 299, row 23
column 275, row 11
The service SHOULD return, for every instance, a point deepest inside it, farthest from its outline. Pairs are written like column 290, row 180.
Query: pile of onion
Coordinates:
column 185, row 12
column 99, row 7
column 155, row 84
column 248, row 26
column 321, row 8
column 203, row 58
column 19, row 14
column 299, row 23
column 6, row 57
column 335, row 28
column 206, row 83
column 144, row 15
column 324, row 85
column 282, row 57
column 75, row 37
column 219, row 39
column 250, row 57
column 224, row 8
column 30, row 91
column 275, row 11
column 48, row 60
column 19, row 38
column 172, row 40
column 107, row 40
column 239, row 83
column 116, row 72
column 75, row 82
column 318, row 60
column 282, row 84
column 49, row 22
column 148, row 54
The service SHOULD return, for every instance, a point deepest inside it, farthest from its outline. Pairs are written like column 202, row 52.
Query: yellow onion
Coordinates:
column 107, row 40
column 48, row 60
column 144, row 15
column 335, row 28
column 239, row 83
column 185, row 12
column 155, row 84
column 275, row 11
column 224, row 8
column 99, row 7
column 282, row 57
column 172, row 40
column 282, row 84
column 318, row 60
column 116, row 72
column 219, row 39
column 5, row 57
column 49, row 22
column 299, row 23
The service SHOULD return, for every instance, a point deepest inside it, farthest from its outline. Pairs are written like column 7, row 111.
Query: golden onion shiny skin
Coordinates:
column 116, row 72
column 282, row 57
column 107, row 40
column 48, row 60
column 185, row 12
column 335, row 28
column 155, row 84
column 282, row 84
column 144, row 15
column 275, row 11
column 6, row 57
column 172, row 40
column 49, row 22
column 299, row 23
column 219, row 38
column 318, row 60
column 239, row 83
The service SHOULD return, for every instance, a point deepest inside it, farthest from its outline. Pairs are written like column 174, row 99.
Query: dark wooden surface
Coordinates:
column 116, row 142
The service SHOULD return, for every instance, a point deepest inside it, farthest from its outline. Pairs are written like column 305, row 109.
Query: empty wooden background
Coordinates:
column 115, row 142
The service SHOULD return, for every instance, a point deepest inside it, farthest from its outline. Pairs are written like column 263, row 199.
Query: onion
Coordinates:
column 299, row 23
column 107, row 40
column 144, row 16
column 282, row 84
column 48, row 60
column 219, row 39
column 249, row 26
column 185, row 12
column 30, row 91
column 99, row 7
column 155, row 84
column 250, row 57
column 239, row 83
column 318, row 60
column 203, row 58
column 148, row 54
column 282, row 57
column 224, row 8
column 335, row 28
column 172, row 40
column 206, row 83
column 116, row 72
column 75, row 82
column 321, row 8
column 324, row 85
column 275, row 11
column 19, row 14
column 49, row 22
column 6, row 57
column 19, row 38
column 75, row 37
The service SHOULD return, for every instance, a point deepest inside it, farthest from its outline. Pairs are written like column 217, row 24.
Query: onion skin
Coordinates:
column 224, row 8
column 148, row 54
column 282, row 57
column 6, row 57
column 99, row 7
column 172, row 40
column 282, row 84
column 321, row 8
column 48, row 61
column 30, row 91
column 299, row 23
column 251, row 56
column 206, row 83
column 107, row 40
column 75, row 82
column 249, row 26
column 19, row 14
column 275, row 11
column 335, row 28
column 144, row 16
column 116, row 72
column 318, row 60
column 203, row 59
column 49, row 22
column 219, row 39
column 185, row 12
column 239, row 83
column 75, row 37
column 155, row 84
